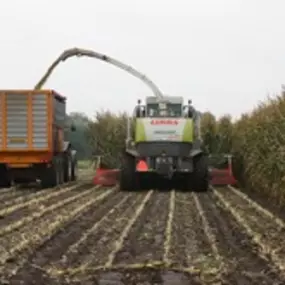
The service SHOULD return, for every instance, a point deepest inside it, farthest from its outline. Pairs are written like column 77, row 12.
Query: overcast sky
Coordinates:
column 226, row 55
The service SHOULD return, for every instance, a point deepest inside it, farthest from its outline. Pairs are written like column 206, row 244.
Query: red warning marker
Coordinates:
column 142, row 166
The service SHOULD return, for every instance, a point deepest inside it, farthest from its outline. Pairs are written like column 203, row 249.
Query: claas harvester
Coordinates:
column 164, row 144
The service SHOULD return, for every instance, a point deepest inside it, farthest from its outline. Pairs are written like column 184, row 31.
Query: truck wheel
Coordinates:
column 5, row 179
column 201, row 173
column 127, row 176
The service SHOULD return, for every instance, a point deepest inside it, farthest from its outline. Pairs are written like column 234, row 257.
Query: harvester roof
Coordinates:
column 168, row 99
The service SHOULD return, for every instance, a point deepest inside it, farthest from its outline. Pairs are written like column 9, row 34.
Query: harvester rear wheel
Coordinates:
column 127, row 178
column 185, row 184
column 201, row 173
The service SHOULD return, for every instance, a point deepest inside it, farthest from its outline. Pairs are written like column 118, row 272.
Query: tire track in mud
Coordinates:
column 264, row 231
column 30, row 211
column 145, row 238
column 57, row 251
column 16, row 224
column 145, row 241
column 257, row 206
column 142, row 244
column 14, row 193
column 147, row 244
column 100, row 248
column 17, row 246
column 25, row 192
column 5, row 190
column 241, row 262
column 23, row 201
column 190, row 247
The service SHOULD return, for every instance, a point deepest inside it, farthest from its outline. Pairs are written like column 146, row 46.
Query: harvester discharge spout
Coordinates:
column 79, row 52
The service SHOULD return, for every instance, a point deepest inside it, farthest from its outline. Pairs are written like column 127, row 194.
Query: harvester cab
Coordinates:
column 168, row 107
column 165, row 145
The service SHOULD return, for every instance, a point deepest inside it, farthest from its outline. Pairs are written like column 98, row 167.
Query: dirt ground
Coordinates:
column 81, row 234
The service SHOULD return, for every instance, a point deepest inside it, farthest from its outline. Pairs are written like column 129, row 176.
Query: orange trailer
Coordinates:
column 32, row 145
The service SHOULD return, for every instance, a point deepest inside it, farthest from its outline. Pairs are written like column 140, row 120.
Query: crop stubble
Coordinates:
column 153, row 237
column 265, row 231
column 242, row 263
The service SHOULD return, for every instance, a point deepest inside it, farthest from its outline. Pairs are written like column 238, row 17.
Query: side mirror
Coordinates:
column 73, row 128
column 138, row 112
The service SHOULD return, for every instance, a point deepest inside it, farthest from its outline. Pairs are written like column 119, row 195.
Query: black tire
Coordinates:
column 60, row 170
column 186, row 184
column 144, row 181
column 201, row 173
column 74, row 169
column 5, row 179
column 49, row 178
column 67, row 167
column 127, row 178
column 54, row 175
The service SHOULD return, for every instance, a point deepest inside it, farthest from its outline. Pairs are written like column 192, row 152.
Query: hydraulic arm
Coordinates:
column 89, row 53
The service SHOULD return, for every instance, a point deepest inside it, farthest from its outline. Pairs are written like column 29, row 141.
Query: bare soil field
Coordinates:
column 81, row 234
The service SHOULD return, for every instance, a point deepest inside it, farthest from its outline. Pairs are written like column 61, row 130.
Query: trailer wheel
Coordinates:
column 50, row 177
column 127, row 176
column 201, row 173
column 5, row 179
column 54, row 175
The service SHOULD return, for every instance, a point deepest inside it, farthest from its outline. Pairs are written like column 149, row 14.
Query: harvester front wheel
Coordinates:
column 201, row 173
column 127, row 178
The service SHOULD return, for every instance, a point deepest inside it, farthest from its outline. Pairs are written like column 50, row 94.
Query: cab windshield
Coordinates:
column 164, row 110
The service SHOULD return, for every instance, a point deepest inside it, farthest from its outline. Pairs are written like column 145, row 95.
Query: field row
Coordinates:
column 81, row 233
